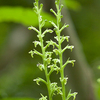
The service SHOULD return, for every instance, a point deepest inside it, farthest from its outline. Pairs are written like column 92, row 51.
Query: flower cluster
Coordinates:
column 49, row 64
column 59, row 51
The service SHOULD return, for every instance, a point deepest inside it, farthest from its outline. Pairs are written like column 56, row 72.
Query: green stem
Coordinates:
column 44, row 59
column 61, row 66
column 60, row 54
column 61, row 70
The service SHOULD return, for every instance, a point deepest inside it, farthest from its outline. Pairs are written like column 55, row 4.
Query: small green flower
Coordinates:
column 40, row 66
column 31, row 52
column 36, row 43
column 39, row 80
column 56, row 51
column 43, row 97
column 64, row 80
column 71, row 94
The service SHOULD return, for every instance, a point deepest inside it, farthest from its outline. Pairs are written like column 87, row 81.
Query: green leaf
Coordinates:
column 25, row 16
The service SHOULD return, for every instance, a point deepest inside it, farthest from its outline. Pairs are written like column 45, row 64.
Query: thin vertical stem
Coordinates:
column 60, row 53
column 44, row 57
column 61, row 68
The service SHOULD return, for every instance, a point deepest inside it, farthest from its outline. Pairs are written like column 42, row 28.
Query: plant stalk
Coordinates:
column 60, row 53
column 44, row 58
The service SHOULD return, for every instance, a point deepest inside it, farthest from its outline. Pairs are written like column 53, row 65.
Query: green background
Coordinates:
column 17, row 68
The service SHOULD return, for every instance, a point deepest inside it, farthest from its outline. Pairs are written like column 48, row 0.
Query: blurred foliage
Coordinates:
column 21, row 15
column 4, row 28
column 73, row 5
column 87, row 25
column 16, row 80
